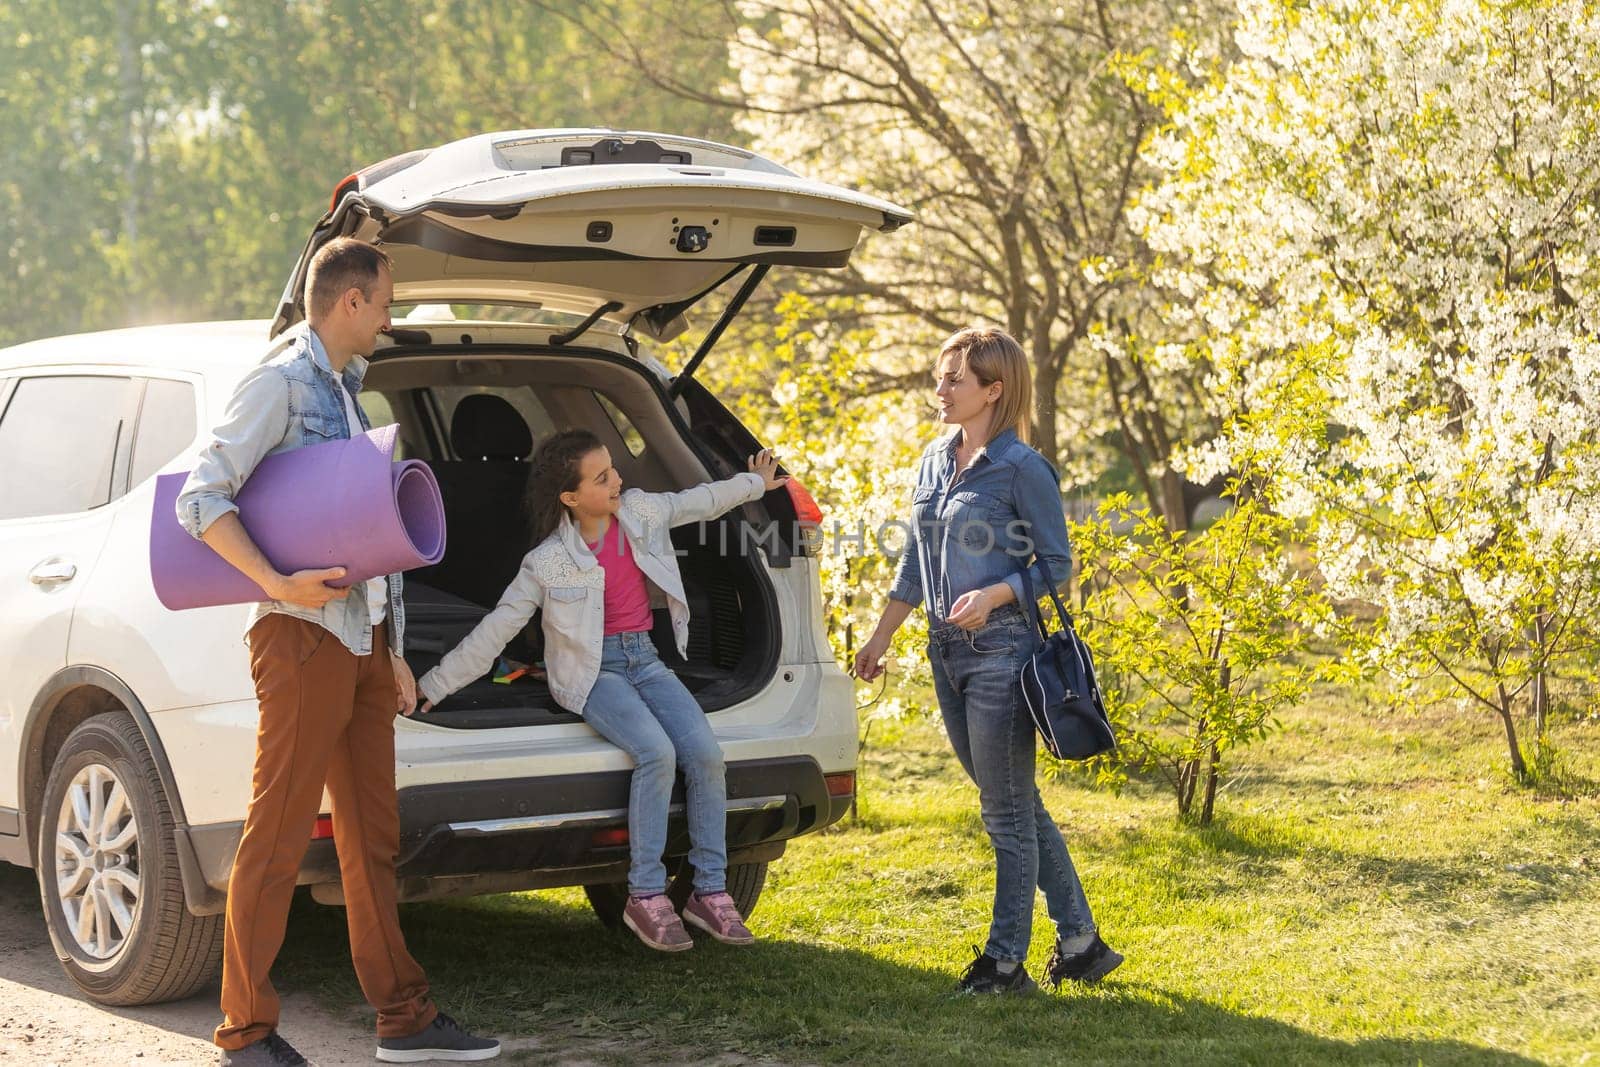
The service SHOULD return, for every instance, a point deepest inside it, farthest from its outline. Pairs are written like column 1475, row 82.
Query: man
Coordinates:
column 329, row 677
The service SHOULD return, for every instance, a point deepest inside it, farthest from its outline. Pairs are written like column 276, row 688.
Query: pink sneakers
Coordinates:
column 657, row 925
column 718, row 916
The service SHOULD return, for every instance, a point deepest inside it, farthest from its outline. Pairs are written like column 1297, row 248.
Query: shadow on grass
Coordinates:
column 529, row 966
column 1258, row 849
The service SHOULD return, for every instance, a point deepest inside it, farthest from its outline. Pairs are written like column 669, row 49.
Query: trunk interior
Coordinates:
column 475, row 417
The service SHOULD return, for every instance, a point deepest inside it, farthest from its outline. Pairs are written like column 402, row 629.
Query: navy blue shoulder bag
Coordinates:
column 1059, row 687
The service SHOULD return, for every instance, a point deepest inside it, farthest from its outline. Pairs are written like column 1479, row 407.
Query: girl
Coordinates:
column 598, row 554
column 985, row 505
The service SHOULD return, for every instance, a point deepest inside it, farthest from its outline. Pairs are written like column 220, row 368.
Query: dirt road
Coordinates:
column 44, row 1020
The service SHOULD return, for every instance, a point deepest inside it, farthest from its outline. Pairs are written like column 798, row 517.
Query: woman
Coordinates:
column 986, row 505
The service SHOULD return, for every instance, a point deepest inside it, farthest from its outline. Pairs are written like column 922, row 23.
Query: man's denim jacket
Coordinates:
column 286, row 403
column 979, row 529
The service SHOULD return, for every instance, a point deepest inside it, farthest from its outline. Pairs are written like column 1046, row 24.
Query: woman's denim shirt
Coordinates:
column 979, row 528
column 289, row 402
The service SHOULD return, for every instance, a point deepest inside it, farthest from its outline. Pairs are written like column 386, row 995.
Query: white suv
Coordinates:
column 127, row 731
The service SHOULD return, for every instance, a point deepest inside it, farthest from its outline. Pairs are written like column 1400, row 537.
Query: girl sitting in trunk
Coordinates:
column 598, row 555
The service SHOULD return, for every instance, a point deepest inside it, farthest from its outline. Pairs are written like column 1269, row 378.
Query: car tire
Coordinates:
column 745, row 882
column 108, row 873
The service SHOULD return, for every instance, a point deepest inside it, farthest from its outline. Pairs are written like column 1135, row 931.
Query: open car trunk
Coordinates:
column 727, row 658
column 642, row 225
column 475, row 416
column 627, row 230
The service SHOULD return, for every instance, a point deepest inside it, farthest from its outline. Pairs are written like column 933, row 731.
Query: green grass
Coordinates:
column 1372, row 892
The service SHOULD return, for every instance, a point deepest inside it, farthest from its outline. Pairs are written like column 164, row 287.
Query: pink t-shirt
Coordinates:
column 627, row 598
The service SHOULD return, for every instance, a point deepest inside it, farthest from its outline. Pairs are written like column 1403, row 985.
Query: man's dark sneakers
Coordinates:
column 270, row 1051
column 442, row 1039
column 1088, row 966
column 983, row 976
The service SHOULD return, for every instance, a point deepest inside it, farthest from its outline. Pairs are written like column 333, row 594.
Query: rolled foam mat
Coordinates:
column 341, row 504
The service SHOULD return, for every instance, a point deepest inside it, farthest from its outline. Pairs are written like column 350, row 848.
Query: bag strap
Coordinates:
column 1032, row 606
column 1062, row 614
column 1050, row 583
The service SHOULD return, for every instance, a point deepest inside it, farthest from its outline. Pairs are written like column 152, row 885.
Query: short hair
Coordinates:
column 342, row 264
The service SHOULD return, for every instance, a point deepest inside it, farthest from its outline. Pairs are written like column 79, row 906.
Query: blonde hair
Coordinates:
column 994, row 356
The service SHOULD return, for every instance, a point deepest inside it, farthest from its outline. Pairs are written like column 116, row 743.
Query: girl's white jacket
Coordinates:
column 561, row 575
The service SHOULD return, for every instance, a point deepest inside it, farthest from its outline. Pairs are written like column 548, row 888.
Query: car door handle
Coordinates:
column 51, row 571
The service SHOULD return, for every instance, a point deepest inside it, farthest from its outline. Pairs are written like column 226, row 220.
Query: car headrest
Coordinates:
column 486, row 426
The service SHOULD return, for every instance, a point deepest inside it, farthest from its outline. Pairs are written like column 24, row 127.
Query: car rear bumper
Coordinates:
column 489, row 836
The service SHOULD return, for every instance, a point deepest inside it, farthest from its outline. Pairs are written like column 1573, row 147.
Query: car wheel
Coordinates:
column 108, row 873
column 745, row 882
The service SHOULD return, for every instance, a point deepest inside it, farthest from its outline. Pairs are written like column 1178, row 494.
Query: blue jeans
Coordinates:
column 641, row 707
column 975, row 679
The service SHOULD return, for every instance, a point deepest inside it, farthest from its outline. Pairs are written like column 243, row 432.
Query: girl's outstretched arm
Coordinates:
column 475, row 655
column 710, row 499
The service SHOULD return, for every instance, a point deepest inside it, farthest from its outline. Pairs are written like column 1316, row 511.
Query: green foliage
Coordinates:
column 164, row 160
column 1201, row 638
column 795, row 380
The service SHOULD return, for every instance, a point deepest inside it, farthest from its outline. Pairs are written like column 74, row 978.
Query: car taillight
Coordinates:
column 610, row 837
column 841, row 785
column 808, row 515
column 322, row 828
column 805, row 505
column 350, row 181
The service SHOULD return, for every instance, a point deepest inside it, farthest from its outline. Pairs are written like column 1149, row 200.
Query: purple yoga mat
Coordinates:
column 341, row 504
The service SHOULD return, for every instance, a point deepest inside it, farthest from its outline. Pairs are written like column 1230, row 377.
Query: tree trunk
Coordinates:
column 1045, row 380
column 1189, row 775
column 849, row 613
column 1541, row 706
column 1211, row 786
column 1519, row 767
column 1213, row 756
column 1174, row 502
column 1541, row 681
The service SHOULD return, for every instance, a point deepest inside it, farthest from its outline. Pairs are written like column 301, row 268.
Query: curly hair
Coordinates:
column 555, row 471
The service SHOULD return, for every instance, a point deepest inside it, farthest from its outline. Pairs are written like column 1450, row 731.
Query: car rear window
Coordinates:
column 520, row 397
column 58, row 443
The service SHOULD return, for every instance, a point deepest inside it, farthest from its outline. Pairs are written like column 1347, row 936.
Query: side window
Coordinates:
column 58, row 443
column 380, row 412
column 166, row 426
column 625, row 429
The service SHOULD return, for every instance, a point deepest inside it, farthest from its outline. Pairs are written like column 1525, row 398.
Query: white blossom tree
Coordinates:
column 856, row 453
column 1008, row 128
column 1380, row 221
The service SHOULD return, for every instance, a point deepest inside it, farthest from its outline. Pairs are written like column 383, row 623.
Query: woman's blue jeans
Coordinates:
column 641, row 707
column 975, row 678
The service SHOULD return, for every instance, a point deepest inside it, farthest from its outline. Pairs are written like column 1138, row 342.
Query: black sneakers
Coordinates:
column 983, row 976
column 1088, row 966
column 270, row 1051
column 442, row 1039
